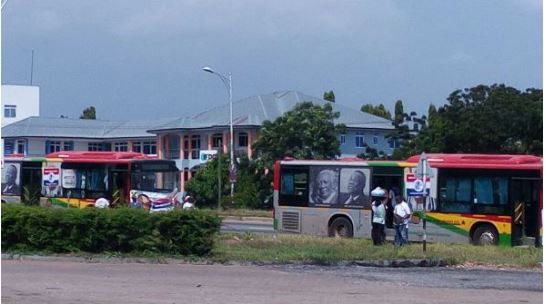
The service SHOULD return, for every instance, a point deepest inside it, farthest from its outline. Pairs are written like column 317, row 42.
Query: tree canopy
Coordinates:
column 484, row 119
column 380, row 110
column 89, row 113
column 306, row 132
column 329, row 96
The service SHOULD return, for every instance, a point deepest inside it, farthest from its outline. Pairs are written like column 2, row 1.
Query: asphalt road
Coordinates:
column 245, row 225
column 72, row 282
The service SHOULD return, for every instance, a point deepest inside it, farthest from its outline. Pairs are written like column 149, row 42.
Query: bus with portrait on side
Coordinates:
column 470, row 198
column 102, row 179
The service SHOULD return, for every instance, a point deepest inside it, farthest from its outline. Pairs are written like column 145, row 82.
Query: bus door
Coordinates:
column 119, row 186
column 31, row 182
column 389, row 178
column 526, row 212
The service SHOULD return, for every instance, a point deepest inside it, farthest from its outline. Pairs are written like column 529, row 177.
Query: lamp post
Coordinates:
column 227, row 82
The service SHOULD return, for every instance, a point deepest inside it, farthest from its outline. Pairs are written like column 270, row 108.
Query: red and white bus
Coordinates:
column 83, row 178
column 477, row 198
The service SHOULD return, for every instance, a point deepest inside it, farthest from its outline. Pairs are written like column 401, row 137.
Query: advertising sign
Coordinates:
column 10, row 179
column 51, row 176
column 416, row 186
column 206, row 155
column 69, row 178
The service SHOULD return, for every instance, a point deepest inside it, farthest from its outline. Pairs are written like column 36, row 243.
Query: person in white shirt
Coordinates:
column 402, row 214
column 378, row 216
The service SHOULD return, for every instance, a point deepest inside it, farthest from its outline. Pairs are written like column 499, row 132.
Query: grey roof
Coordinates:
column 77, row 128
column 252, row 111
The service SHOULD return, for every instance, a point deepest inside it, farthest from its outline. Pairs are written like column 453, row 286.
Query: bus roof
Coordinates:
column 96, row 156
column 489, row 161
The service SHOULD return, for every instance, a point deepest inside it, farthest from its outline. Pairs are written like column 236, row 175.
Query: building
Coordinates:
column 187, row 139
column 19, row 102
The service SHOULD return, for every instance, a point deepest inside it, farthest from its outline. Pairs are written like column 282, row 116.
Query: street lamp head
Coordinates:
column 208, row 69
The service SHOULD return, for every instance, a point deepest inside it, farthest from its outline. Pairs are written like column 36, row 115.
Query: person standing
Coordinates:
column 402, row 214
column 378, row 216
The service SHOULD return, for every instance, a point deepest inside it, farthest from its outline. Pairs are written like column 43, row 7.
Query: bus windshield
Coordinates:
column 154, row 181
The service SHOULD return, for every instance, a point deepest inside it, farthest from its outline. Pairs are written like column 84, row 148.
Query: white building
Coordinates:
column 19, row 102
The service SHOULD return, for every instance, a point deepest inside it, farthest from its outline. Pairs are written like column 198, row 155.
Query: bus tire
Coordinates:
column 485, row 235
column 340, row 227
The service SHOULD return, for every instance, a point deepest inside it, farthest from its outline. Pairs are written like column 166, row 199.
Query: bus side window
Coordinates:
column 455, row 195
column 287, row 184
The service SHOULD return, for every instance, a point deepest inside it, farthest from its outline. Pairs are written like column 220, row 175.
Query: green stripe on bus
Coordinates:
column 446, row 226
column 505, row 240
column 57, row 202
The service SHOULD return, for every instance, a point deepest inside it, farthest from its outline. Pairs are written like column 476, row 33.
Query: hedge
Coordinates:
column 107, row 230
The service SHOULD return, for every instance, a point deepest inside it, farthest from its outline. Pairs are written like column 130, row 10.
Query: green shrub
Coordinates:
column 108, row 230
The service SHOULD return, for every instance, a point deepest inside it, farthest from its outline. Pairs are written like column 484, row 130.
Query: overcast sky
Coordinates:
column 144, row 58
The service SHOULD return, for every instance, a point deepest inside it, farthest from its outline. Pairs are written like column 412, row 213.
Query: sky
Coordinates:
column 136, row 58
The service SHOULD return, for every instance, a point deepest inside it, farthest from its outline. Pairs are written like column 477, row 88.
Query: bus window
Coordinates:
column 455, row 195
column 293, row 190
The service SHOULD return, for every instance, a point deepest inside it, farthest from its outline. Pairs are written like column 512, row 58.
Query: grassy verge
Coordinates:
column 292, row 248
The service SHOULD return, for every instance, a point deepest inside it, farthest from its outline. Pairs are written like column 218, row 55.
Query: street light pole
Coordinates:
column 227, row 83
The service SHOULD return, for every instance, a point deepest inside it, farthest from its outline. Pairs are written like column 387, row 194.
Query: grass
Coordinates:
column 301, row 248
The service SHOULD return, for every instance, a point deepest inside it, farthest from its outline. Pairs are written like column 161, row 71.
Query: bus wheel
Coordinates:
column 485, row 235
column 340, row 227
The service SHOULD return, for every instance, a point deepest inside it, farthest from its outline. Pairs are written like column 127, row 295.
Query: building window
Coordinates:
column 243, row 139
column 21, row 146
column 68, row 145
column 342, row 139
column 359, row 140
column 53, row 146
column 9, row 147
column 195, row 146
column 149, row 148
column 137, row 147
column 415, row 127
column 121, row 146
column 95, row 147
column 146, row 147
column 174, row 147
column 374, row 139
column 217, row 140
column 10, row 111
column 186, row 147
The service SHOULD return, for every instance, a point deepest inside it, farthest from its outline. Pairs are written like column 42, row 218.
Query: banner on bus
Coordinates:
column 51, row 177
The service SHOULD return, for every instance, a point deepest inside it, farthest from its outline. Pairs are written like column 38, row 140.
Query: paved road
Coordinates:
column 247, row 225
column 71, row 282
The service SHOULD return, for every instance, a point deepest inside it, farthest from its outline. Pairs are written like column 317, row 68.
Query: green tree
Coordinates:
column 399, row 112
column 204, row 184
column 484, row 119
column 306, row 132
column 379, row 111
column 89, row 113
column 329, row 96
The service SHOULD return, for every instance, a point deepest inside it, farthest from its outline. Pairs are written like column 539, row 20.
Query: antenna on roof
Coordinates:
column 31, row 66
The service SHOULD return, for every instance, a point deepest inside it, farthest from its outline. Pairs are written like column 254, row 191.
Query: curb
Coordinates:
column 267, row 220
column 160, row 260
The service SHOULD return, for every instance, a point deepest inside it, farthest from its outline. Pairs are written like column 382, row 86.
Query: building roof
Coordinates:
column 78, row 128
column 254, row 110
column 248, row 112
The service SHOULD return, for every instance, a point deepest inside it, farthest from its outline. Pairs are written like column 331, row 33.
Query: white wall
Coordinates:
column 25, row 98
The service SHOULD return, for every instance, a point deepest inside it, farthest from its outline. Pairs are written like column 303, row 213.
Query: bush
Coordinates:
column 100, row 230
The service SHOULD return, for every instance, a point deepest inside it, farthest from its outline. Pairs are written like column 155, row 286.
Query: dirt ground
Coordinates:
column 76, row 282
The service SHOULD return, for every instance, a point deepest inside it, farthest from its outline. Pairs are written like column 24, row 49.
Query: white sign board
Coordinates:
column 206, row 155
column 69, row 178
